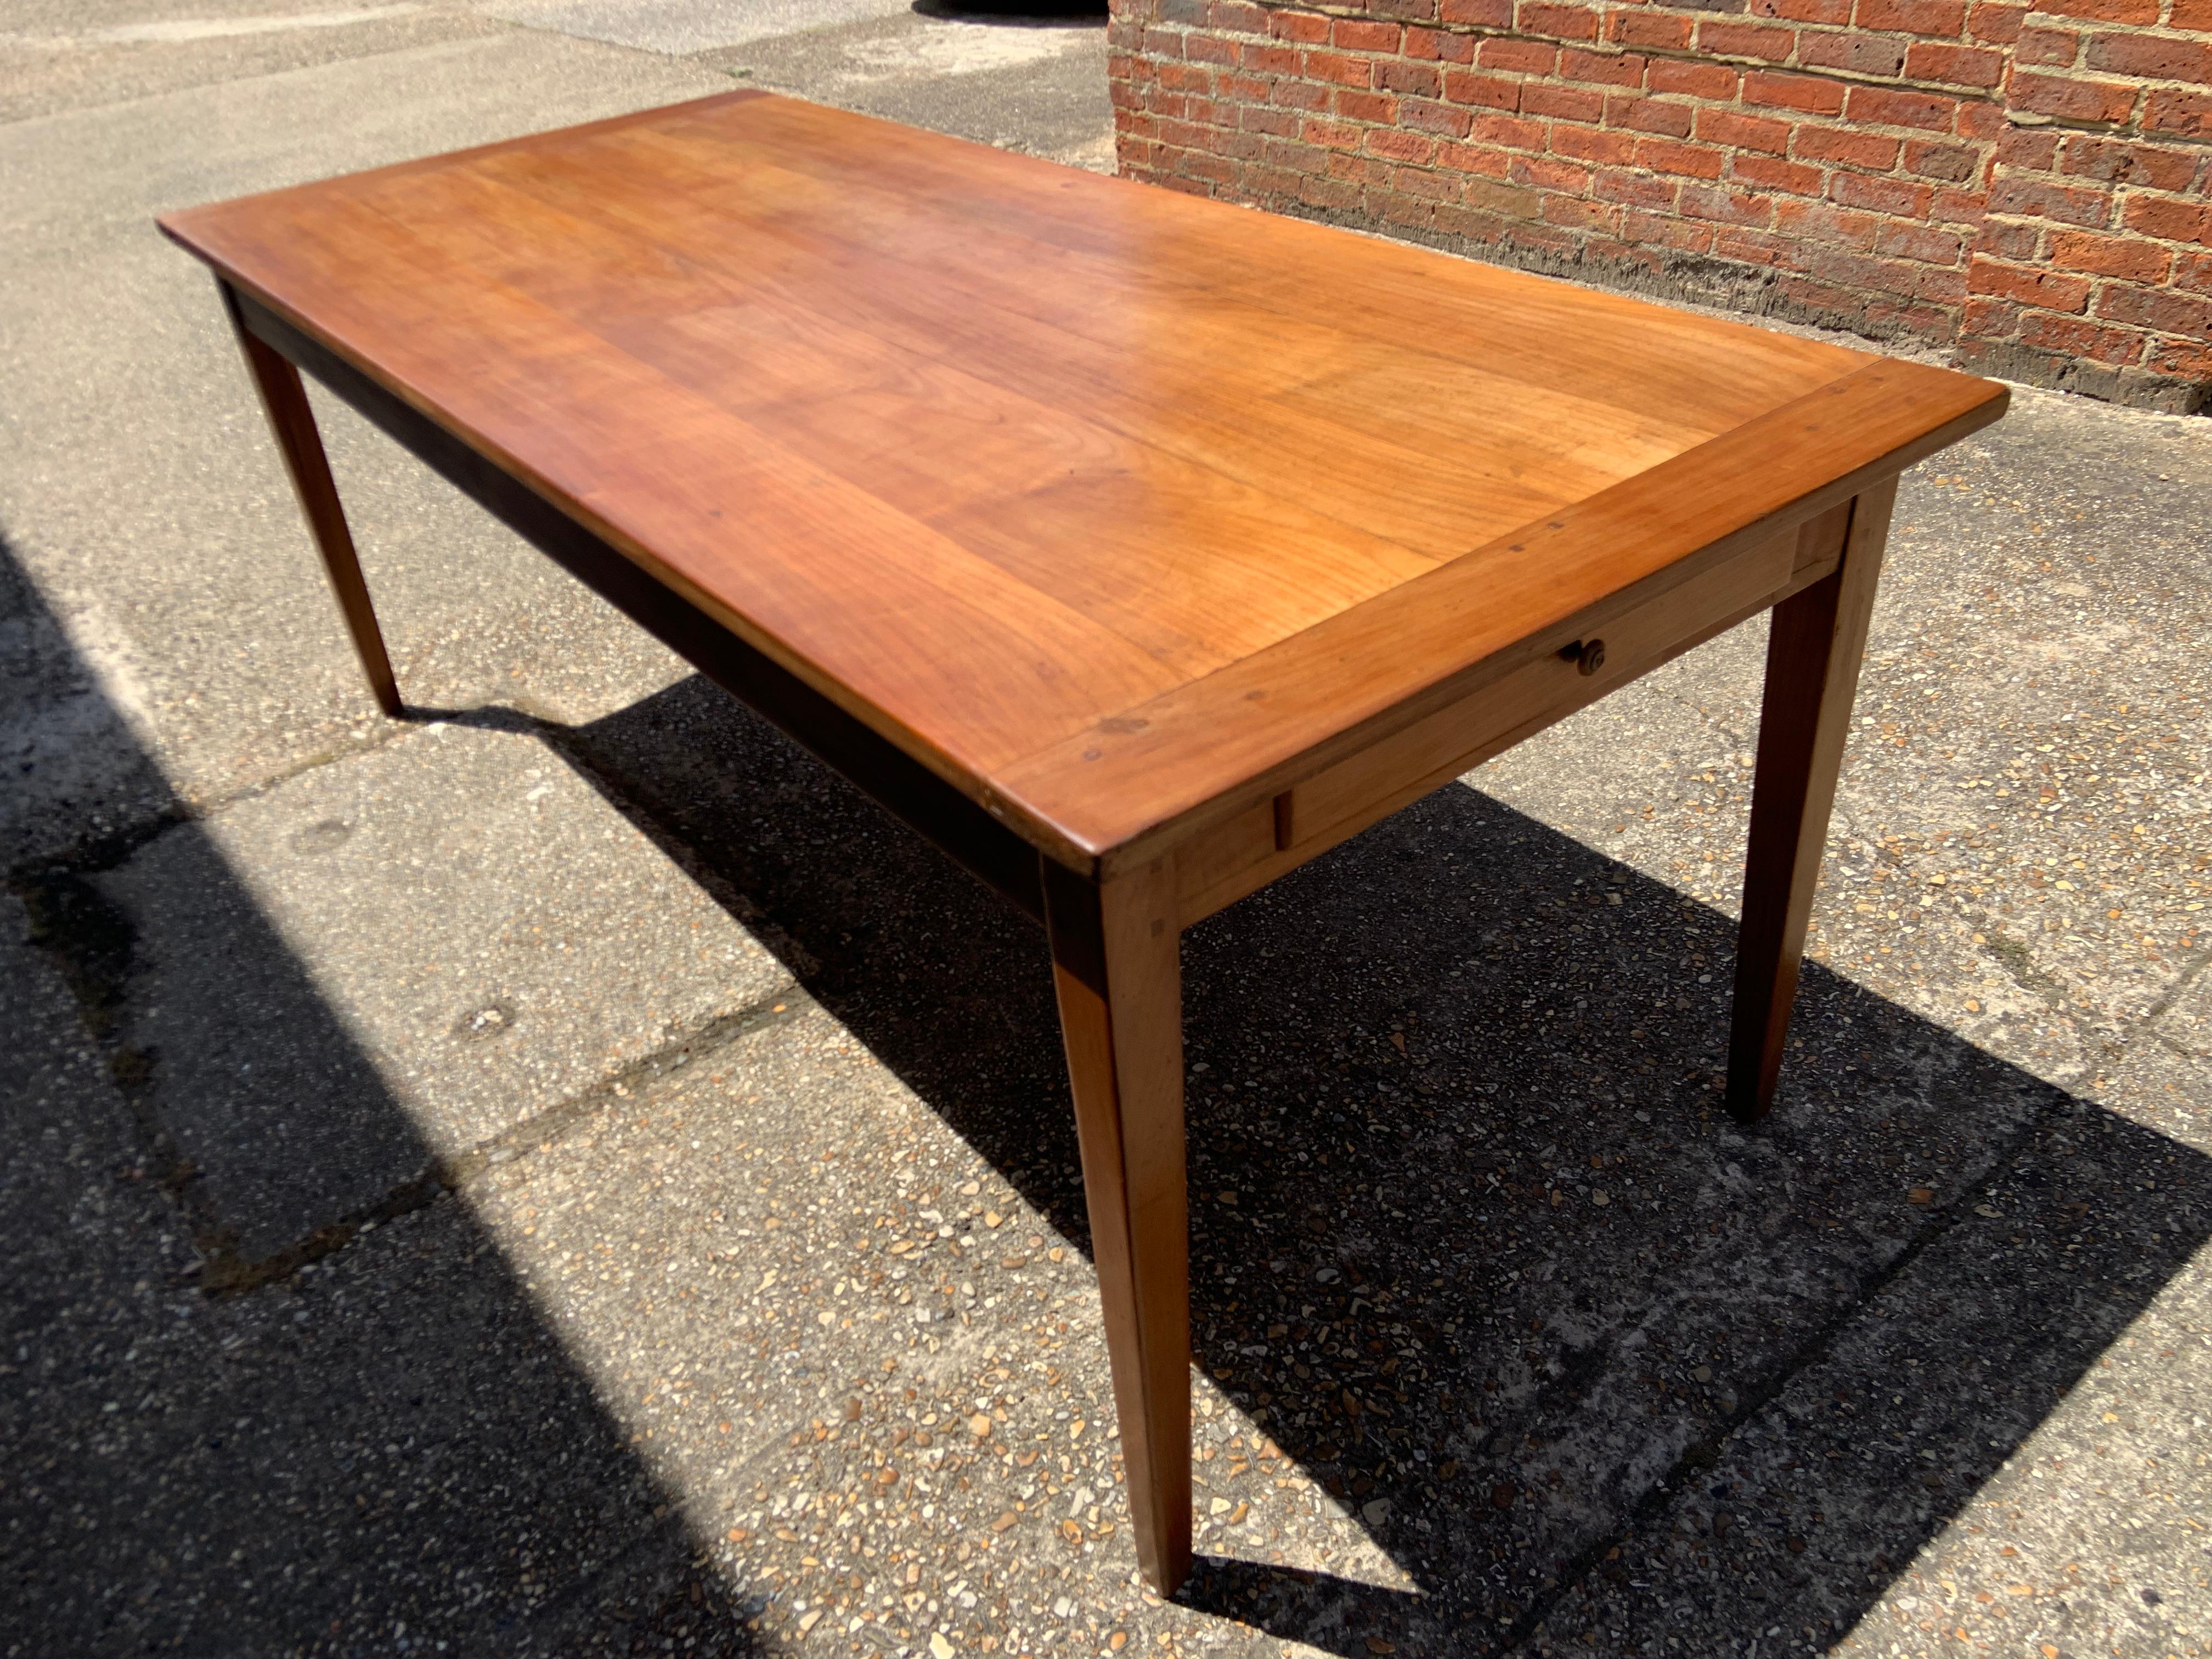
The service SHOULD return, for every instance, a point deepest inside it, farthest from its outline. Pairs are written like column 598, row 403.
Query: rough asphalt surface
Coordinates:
column 561, row 1175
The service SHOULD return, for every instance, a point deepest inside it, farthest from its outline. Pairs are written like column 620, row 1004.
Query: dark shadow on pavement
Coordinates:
column 212, row 1451
column 1472, row 1240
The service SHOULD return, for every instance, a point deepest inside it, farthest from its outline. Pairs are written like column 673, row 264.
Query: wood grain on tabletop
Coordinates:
column 1101, row 500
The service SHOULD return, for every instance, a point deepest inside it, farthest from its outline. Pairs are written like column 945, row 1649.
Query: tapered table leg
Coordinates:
column 1117, row 966
column 1812, row 658
column 293, row 421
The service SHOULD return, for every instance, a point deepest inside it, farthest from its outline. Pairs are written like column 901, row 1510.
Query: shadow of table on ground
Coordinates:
column 390, row 1452
column 1472, row 1240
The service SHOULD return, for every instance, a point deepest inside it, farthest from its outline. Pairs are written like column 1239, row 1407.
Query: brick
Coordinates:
column 1851, row 52
column 2150, row 57
column 1960, row 66
column 1683, row 236
column 1639, row 26
column 1644, row 27
column 1307, row 95
column 2166, row 311
column 1481, row 160
column 2010, row 239
column 1432, row 186
column 1416, row 80
column 1953, row 206
column 1799, row 92
column 2077, row 337
column 2044, row 289
column 1895, row 108
column 1928, row 247
column 1205, row 49
column 1982, row 120
column 1900, row 197
column 2193, row 271
column 2191, row 14
column 1329, row 193
column 1485, row 228
column 1635, row 189
column 1188, row 14
column 1487, row 91
column 1991, row 319
column 1763, row 41
column 1185, row 77
column 1995, row 25
column 1270, row 122
column 1581, row 214
column 2125, row 257
column 1435, row 45
column 1945, row 20
column 1524, row 56
column 1757, row 247
column 1423, row 116
column 2033, row 147
column 1718, row 80
column 1725, row 206
column 1771, row 173
column 1562, row 22
column 1372, row 107
column 2165, row 217
column 1214, row 169
column 2184, row 359
column 1836, row 14
column 1560, row 103
column 1510, row 200
column 1394, row 145
column 2040, row 199
column 1307, row 28
column 1405, row 11
column 2047, row 48
column 2071, row 99
column 1841, row 144
column 1949, row 162
column 1612, row 68
column 1331, row 134
column 2183, row 114
column 2127, row 161
column 1720, row 126
column 1549, row 172
column 1271, row 181
column 1237, row 17
column 1681, row 161
column 1477, row 14
column 1593, row 144
column 2103, row 11
column 1363, row 34
column 1359, row 169
column 1269, row 59
column 1340, row 69
column 1508, row 131
column 1242, row 90
column 1649, row 115
column 1159, row 43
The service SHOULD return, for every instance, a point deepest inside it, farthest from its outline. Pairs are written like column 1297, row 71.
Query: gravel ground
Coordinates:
column 573, row 1178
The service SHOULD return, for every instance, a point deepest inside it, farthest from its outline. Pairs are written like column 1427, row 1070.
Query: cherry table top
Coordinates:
column 1108, row 503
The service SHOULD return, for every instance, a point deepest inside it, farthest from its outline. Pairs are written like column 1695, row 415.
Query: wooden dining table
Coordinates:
column 1133, row 548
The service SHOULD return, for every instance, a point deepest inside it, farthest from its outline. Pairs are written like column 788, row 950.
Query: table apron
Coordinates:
column 1221, row 864
column 903, row 787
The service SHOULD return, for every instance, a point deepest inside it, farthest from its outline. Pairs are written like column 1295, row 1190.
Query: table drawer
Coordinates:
column 1224, row 862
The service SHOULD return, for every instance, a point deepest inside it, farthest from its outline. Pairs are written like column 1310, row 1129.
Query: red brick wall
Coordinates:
column 2031, row 187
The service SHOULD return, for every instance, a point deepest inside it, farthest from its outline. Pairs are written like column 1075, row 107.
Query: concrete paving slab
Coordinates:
column 393, row 960
column 1034, row 83
column 681, row 27
column 79, row 56
column 145, row 494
